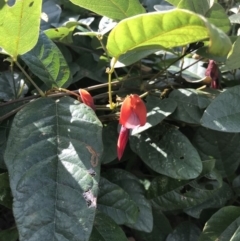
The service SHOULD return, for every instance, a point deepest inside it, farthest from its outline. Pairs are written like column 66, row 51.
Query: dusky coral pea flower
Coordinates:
column 86, row 98
column 213, row 73
column 133, row 113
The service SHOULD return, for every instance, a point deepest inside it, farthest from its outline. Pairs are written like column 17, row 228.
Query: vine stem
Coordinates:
column 110, row 71
column 30, row 79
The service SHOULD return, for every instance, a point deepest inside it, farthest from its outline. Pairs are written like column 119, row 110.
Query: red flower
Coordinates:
column 122, row 141
column 86, row 98
column 133, row 113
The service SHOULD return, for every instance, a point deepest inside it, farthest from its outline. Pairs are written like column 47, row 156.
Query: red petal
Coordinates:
column 122, row 141
column 139, row 109
column 125, row 111
column 86, row 98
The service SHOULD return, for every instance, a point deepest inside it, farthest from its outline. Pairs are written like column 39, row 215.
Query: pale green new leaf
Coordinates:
column 19, row 26
column 115, row 9
column 166, row 30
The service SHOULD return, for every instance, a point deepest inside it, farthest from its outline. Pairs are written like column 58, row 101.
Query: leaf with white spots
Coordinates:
column 167, row 151
column 223, row 114
column 52, row 156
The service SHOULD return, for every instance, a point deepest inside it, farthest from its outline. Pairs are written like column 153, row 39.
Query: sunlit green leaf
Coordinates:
column 113, row 9
column 15, row 23
column 152, row 30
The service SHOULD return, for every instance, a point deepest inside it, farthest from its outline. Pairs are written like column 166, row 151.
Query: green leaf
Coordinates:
column 52, row 156
column 113, row 9
column 233, row 61
column 223, row 147
column 157, row 111
column 236, row 185
column 177, row 159
column 5, row 191
column 46, row 61
column 190, row 104
column 3, row 141
column 132, row 57
column 10, row 234
column 161, row 228
column 116, row 203
column 62, row 34
column 174, row 2
column 223, row 114
column 105, row 229
column 12, row 85
column 193, row 197
column 223, row 225
column 86, row 64
column 217, row 15
column 214, row 12
column 15, row 23
column 134, row 188
column 186, row 231
column 110, row 137
column 186, row 28
column 200, row 7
